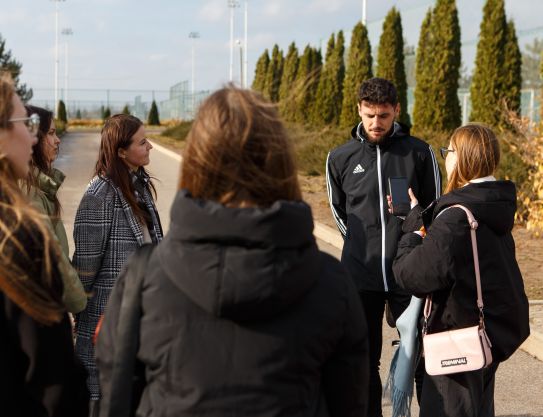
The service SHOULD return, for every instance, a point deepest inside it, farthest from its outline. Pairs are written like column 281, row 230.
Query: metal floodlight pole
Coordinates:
column 364, row 12
column 66, row 32
column 244, row 83
column 232, row 4
column 55, row 110
column 193, row 36
column 238, row 42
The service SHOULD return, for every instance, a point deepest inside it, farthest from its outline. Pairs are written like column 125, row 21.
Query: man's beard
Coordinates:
column 379, row 140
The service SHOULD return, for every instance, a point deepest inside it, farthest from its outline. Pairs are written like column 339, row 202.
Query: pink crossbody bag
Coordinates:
column 461, row 350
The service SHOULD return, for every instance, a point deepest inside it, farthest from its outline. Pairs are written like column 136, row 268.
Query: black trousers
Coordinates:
column 374, row 307
column 466, row 394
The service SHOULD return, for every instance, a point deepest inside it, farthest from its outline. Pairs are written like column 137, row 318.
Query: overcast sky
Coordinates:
column 137, row 44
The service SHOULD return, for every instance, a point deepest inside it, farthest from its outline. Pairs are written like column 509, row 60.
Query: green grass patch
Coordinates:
column 178, row 132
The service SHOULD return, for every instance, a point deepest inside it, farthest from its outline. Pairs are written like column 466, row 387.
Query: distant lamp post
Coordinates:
column 232, row 4
column 364, row 12
column 55, row 110
column 67, row 32
column 244, row 82
column 241, row 78
column 193, row 36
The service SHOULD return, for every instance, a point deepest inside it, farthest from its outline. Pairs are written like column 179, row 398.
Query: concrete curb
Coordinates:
column 174, row 155
column 532, row 346
column 328, row 235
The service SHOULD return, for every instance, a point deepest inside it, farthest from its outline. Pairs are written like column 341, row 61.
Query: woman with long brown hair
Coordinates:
column 117, row 214
column 41, row 185
column 40, row 375
column 242, row 314
column 448, row 272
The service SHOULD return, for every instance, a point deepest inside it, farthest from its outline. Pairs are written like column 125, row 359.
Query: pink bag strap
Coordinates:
column 473, row 227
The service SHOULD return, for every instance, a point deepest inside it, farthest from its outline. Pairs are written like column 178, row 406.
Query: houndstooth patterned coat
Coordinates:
column 106, row 232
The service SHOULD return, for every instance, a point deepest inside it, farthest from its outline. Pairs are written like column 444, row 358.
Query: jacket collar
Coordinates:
column 49, row 183
column 132, row 220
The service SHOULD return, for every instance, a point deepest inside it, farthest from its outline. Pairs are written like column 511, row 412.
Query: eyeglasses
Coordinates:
column 445, row 151
column 32, row 123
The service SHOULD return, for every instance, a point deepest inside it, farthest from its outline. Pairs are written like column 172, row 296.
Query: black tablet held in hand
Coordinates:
column 401, row 203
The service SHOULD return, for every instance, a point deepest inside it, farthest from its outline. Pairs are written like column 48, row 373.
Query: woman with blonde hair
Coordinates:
column 40, row 374
column 242, row 314
column 448, row 269
column 117, row 214
column 41, row 185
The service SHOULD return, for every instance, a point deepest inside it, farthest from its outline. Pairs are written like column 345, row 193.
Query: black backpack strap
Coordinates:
column 127, row 336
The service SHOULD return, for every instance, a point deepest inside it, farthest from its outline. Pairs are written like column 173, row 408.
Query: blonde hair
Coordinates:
column 238, row 152
column 477, row 152
column 34, row 293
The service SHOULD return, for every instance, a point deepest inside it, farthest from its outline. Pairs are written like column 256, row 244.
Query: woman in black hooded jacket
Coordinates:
column 242, row 314
column 442, row 264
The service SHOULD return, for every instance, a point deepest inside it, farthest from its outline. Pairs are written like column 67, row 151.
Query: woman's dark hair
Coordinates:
column 117, row 133
column 39, row 159
column 35, row 294
column 238, row 152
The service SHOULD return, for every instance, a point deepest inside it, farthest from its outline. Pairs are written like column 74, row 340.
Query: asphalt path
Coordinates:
column 519, row 382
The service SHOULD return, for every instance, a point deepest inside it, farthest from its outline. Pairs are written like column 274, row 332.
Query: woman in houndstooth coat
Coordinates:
column 116, row 215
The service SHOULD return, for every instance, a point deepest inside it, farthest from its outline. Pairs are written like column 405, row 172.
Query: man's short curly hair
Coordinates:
column 378, row 91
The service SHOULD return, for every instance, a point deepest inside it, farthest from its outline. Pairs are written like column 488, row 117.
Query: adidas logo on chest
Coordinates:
column 358, row 169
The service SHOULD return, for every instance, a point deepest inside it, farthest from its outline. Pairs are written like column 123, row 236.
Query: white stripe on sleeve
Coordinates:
column 339, row 222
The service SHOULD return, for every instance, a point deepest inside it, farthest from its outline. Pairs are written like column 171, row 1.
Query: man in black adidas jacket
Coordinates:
column 357, row 175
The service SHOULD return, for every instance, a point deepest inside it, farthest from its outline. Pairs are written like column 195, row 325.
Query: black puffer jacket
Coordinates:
column 242, row 315
column 40, row 375
column 442, row 264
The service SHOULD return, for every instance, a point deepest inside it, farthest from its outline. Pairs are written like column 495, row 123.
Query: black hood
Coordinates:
column 492, row 202
column 240, row 263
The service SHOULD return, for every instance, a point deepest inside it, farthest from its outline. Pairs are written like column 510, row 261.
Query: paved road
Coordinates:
column 519, row 385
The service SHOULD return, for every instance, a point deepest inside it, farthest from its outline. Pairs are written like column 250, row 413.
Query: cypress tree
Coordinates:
column 126, row 109
column 106, row 113
column 78, row 114
column 274, row 74
column 443, row 73
column 422, row 112
column 359, row 69
column 323, row 106
column 329, row 97
column 317, row 73
column 512, row 70
column 261, row 71
column 390, row 59
column 61, row 112
column 487, row 84
column 287, row 101
column 339, row 79
column 153, row 118
column 307, row 82
column 302, row 85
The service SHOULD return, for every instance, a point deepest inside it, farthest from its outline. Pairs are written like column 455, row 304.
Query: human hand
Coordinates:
column 389, row 202
column 414, row 201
